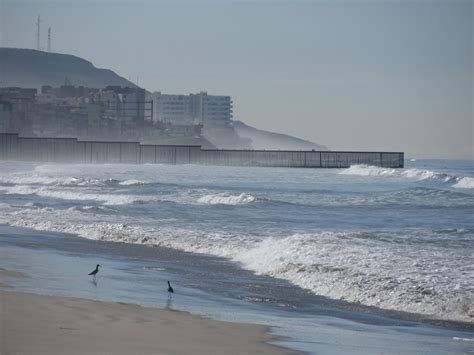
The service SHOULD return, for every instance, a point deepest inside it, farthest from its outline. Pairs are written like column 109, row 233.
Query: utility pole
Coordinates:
column 49, row 39
column 38, row 28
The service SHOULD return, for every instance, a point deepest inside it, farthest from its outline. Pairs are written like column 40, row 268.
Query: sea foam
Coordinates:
column 465, row 183
column 225, row 199
column 413, row 173
column 347, row 265
column 75, row 195
column 417, row 270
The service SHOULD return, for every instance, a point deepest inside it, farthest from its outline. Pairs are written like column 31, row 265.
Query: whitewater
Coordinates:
column 397, row 239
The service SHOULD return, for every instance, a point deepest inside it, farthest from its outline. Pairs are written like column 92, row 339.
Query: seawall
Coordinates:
column 72, row 150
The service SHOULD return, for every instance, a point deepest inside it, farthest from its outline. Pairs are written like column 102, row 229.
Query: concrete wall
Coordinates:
column 71, row 150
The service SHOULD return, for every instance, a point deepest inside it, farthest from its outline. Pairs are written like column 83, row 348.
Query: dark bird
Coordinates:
column 95, row 271
column 170, row 289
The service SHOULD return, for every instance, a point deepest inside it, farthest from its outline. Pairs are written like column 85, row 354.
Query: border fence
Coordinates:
column 72, row 150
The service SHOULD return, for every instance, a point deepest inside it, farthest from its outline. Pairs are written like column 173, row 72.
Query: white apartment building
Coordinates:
column 172, row 109
column 198, row 108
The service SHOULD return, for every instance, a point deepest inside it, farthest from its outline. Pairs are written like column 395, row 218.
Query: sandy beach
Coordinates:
column 35, row 324
column 49, row 305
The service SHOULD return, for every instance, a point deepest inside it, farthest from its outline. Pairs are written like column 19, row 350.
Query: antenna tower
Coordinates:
column 49, row 39
column 38, row 27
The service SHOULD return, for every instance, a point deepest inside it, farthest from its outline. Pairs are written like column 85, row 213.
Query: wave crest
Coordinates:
column 465, row 183
column 349, row 265
column 224, row 199
column 417, row 174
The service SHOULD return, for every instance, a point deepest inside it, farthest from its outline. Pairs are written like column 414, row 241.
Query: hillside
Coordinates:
column 269, row 140
column 32, row 68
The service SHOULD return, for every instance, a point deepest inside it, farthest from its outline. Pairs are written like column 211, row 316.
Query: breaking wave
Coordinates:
column 132, row 182
column 416, row 174
column 465, row 183
column 223, row 199
column 354, row 266
column 55, row 181
column 106, row 199
column 426, row 271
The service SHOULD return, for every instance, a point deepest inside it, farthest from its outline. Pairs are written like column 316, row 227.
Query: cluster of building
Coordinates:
column 111, row 113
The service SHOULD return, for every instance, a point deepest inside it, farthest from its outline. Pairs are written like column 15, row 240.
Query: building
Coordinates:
column 127, row 105
column 173, row 109
column 115, row 113
column 192, row 109
column 17, row 108
column 212, row 110
column 5, row 116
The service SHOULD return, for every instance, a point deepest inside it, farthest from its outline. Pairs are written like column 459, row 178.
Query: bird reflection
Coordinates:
column 169, row 304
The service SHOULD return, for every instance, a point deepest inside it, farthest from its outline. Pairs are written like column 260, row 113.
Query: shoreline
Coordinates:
column 56, row 325
column 333, row 303
column 134, row 275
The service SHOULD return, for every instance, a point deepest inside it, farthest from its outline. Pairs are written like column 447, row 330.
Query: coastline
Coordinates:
column 56, row 324
column 147, row 250
column 369, row 262
column 56, row 264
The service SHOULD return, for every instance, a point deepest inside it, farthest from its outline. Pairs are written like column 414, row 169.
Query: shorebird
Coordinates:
column 170, row 289
column 95, row 271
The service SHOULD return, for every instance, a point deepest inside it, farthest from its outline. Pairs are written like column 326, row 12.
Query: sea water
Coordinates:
column 396, row 239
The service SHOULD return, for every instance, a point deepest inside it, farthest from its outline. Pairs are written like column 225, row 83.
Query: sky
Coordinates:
column 353, row 75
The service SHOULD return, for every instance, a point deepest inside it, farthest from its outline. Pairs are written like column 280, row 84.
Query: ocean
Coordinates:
column 400, row 240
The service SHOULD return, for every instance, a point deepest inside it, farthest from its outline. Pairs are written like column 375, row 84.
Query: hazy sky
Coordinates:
column 353, row 75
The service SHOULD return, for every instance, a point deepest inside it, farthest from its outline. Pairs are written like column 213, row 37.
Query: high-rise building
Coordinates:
column 174, row 109
column 199, row 108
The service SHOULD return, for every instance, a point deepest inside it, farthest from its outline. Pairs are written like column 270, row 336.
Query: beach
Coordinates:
column 36, row 324
column 45, row 287
column 44, row 324
column 362, row 260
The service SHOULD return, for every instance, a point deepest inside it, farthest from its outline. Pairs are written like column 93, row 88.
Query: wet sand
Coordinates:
column 10, row 273
column 35, row 324
column 57, row 264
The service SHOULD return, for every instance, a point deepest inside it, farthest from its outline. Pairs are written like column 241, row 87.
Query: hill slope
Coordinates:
column 32, row 68
column 269, row 140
